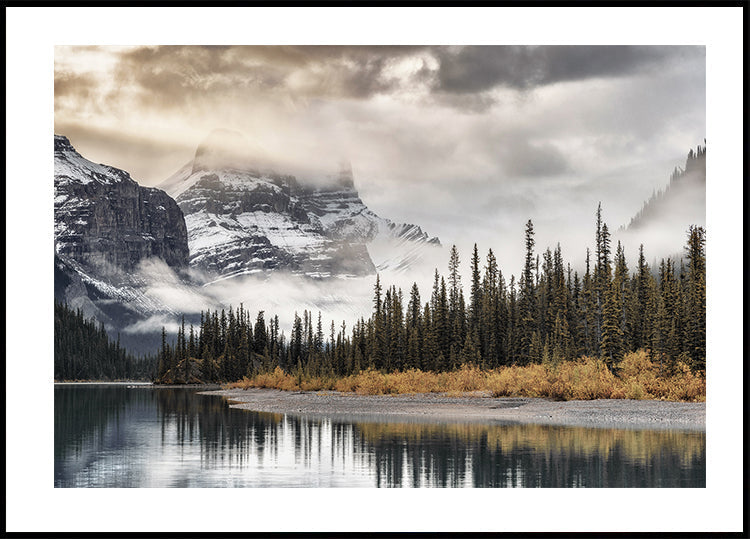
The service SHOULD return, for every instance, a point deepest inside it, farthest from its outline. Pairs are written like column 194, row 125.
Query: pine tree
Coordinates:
column 379, row 342
column 440, row 325
column 527, row 303
column 611, row 347
column 490, row 314
column 260, row 335
column 456, row 306
column 430, row 349
column 512, row 342
column 602, row 274
column 164, row 360
column 475, row 301
column 695, row 297
column 413, row 329
column 470, row 354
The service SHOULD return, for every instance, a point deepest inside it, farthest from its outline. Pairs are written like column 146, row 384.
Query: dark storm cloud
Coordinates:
column 476, row 69
column 174, row 75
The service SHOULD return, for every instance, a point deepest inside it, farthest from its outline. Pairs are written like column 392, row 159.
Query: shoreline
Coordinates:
column 204, row 387
column 102, row 382
column 472, row 407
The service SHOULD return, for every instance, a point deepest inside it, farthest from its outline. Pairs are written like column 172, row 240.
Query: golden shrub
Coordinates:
column 638, row 377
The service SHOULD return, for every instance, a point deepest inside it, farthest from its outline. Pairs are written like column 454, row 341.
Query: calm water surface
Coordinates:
column 120, row 436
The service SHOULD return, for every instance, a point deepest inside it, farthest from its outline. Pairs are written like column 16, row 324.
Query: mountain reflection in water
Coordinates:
column 115, row 436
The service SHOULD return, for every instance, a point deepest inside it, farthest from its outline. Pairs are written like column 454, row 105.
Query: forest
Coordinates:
column 84, row 351
column 547, row 316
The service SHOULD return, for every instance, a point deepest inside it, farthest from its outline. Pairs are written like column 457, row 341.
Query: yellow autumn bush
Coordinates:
column 637, row 377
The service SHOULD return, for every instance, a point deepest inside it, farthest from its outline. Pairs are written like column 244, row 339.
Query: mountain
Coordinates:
column 663, row 221
column 106, row 228
column 103, row 217
column 136, row 259
column 684, row 198
column 243, row 217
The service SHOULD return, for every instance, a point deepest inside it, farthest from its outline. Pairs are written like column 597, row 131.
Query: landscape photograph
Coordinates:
column 301, row 267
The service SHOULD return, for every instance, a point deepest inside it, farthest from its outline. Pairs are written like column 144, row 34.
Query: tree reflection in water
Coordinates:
column 210, row 444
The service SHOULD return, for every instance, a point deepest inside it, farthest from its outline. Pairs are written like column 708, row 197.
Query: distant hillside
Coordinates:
column 662, row 223
column 684, row 197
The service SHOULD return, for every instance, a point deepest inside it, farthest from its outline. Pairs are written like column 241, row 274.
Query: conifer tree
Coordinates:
column 470, row 354
column 527, row 302
column 440, row 325
column 476, row 290
column 164, row 358
column 611, row 342
column 639, row 304
column 696, row 297
column 512, row 339
column 413, row 329
column 378, row 342
column 490, row 313
column 260, row 335
column 430, row 350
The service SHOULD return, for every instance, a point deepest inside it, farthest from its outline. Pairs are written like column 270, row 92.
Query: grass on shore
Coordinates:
column 585, row 379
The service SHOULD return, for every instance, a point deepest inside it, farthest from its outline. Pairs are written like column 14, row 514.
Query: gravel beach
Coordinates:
column 474, row 407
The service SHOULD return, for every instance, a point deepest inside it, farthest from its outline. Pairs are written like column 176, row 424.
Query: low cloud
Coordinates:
column 154, row 324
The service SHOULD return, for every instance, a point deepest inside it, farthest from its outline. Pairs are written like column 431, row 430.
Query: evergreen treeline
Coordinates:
column 549, row 314
column 84, row 351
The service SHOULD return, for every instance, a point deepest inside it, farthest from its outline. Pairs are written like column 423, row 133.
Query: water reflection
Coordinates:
column 114, row 436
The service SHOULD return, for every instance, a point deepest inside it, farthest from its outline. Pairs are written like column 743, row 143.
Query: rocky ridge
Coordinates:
column 133, row 256
column 244, row 219
column 103, row 217
column 106, row 228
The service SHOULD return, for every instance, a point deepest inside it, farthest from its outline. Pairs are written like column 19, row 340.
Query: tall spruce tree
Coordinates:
column 527, row 302
column 696, row 297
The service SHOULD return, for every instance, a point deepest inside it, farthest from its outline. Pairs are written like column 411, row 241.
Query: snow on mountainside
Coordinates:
column 109, row 231
column 137, row 259
column 244, row 218
column 102, row 216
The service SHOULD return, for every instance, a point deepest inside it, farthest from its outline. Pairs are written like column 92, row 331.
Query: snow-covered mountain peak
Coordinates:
column 72, row 166
column 62, row 144
column 227, row 149
column 244, row 219
column 102, row 216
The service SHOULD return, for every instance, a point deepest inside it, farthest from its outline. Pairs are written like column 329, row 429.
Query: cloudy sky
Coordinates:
column 467, row 141
column 607, row 126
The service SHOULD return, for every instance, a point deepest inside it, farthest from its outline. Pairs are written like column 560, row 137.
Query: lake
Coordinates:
column 118, row 435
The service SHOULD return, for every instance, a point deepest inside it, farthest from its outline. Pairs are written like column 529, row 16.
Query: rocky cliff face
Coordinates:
column 243, row 219
column 127, row 254
column 102, row 216
column 106, row 228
